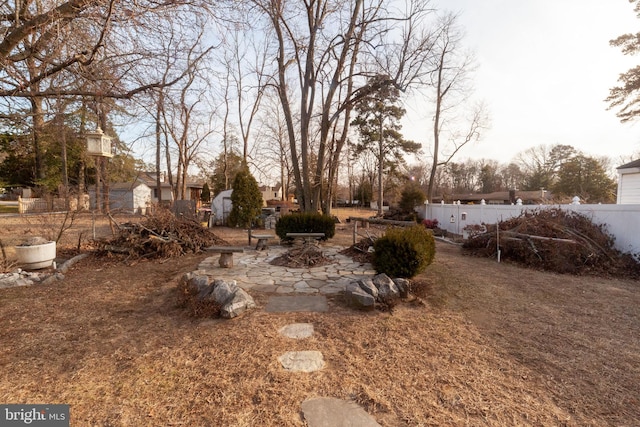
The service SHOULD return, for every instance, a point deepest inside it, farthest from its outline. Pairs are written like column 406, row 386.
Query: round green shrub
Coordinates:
column 404, row 252
column 305, row 222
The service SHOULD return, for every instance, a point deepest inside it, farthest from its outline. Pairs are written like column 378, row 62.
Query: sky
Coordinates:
column 544, row 70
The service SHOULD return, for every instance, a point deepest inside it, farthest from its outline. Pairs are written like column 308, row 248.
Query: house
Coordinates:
column 150, row 179
column 497, row 198
column 194, row 188
column 221, row 207
column 132, row 197
column 270, row 193
column 629, row 183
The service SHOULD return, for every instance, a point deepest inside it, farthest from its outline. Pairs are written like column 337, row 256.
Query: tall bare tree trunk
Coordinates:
column 380, row 165
column 38, row 126
column 159, row 145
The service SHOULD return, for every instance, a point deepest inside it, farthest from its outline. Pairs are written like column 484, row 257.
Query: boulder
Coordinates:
column 196, row 284
column 356, row 297
column 223, row 292
column 368, row 286
column 386, row 287
column 404, row 286
column 240, row 303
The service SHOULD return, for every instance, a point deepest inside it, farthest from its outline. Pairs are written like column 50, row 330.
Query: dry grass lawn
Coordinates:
column 493, row 345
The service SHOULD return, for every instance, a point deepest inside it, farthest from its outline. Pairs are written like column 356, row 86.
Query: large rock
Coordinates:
column 240, row 303
column 196, row 284
column 368, row 286
column 356, row 297
column 403, row 286
column 223, row 292
column 386, row 288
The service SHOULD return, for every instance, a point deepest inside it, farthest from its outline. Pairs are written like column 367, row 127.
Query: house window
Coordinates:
column 275, row 195
column 155, row 193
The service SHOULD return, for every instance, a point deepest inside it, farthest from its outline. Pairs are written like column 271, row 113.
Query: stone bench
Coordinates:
column 307, row 237
column 226, row 254
column 263, row 240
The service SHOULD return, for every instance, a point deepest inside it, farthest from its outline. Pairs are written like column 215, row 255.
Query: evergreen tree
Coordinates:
column 246, row 199
column 626, row 96
column 225, row 169
column 411, row 197
column 378, row 122
column 205, row 196
column 585, row 177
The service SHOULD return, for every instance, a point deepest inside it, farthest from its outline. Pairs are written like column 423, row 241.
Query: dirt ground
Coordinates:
column 492, row 345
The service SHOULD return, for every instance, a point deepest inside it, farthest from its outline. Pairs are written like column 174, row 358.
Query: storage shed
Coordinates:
column 629, row 183
column 221, row 207
column 132, row 197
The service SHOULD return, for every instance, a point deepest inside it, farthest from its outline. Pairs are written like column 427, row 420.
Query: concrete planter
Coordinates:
column 34, row 257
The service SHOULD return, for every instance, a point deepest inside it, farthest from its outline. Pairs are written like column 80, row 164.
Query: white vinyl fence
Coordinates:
column 622, row 221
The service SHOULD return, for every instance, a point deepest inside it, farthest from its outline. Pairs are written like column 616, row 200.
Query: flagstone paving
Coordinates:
column 252, row 271
column 296, row 303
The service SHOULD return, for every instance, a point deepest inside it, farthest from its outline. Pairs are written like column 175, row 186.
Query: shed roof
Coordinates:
column 634, row 164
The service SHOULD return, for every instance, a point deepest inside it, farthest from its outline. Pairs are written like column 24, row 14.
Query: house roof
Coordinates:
column 503, row 196
column 634, row 164
column 269, row 188
column 150, row 178
column 122, row 186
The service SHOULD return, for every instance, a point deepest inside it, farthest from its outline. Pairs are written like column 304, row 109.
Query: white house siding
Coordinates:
column 141, row 199
column 270, row 193
column 126, row 197
column 628, row 187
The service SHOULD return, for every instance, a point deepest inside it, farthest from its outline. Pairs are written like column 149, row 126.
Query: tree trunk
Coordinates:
column 436, row 131
column 159, row 146
column 98, row 163
column 38, row 125
column 380, row 167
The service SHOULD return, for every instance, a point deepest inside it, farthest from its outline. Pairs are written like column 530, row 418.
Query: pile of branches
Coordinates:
column 301, row 257
column 360, row 252
column 554, row 240
column 160, row 235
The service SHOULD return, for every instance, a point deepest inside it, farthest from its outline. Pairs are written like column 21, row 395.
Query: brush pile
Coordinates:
column 554, row 240
column 362, row 251
column 160, row 235
column 301, row 257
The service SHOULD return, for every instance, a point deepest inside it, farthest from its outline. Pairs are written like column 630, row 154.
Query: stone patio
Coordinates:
column 252, row 271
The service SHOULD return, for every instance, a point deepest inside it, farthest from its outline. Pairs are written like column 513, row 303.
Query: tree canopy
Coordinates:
column 626, row 96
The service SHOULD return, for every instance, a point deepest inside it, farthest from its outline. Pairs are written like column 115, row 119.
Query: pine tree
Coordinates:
column 246, row 199
column 205, row 196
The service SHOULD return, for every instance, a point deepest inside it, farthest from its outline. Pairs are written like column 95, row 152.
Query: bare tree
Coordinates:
column 450, row 83
column 248, row 60
column 322, row 45
column 188, row 118
column 79, row 49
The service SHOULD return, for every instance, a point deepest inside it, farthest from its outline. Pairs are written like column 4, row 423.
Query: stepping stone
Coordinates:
column 331, row 412
column 302, row 361
column 297, row 331
column 287, row 304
